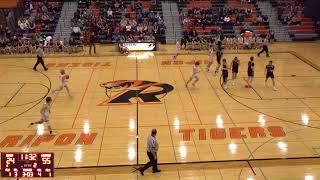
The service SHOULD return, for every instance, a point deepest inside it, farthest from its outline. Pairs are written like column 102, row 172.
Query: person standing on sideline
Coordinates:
column 92, row 43
column 40, row 54
column 152, row 149
column 264, row 48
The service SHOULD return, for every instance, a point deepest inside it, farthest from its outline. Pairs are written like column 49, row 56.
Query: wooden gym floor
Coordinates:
column 197, row 124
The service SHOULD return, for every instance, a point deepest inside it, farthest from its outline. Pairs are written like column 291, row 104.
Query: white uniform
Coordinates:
column 63, row 80
column 44, row 113
column 195, row 71
column 178, row 47
column 211, row 54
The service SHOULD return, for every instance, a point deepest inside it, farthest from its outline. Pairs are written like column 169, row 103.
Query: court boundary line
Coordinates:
column 15, row 94
column 25, row 111
column 203, row 162
column 137, row 115
column 17, row 105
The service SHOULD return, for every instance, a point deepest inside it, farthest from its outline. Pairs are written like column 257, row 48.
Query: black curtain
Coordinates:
column 312, row 9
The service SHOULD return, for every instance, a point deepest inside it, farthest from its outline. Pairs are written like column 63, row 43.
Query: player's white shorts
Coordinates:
column 62, row 85
column 193, row 76
column 45, row 118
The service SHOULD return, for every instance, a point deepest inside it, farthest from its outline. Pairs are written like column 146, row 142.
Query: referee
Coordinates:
column 264, row 48
column 152, row 149
column 92, row 40
column 40, row 54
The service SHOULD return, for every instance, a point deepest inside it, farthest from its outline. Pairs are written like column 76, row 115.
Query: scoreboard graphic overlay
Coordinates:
column 27, row 164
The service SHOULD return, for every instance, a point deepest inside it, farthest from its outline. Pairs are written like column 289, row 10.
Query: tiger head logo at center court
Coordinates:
column 122, row 92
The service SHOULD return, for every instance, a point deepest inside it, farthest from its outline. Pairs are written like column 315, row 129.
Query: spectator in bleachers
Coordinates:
column 110, row 12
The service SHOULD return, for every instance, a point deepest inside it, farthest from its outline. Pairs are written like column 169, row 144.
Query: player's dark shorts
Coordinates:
column 234, row 70
column 270, row 74
column 250, row 73
column 225, row 76
column 219, row 60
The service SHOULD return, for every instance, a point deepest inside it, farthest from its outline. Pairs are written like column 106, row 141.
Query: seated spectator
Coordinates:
column 140, row 28
column 227, row 20
column 116, row 5
column 133, row 23
column 44, row 9
column 123, row 22
column 258, row 20
column 109, row 12
column 76, row 30
column 31, row 25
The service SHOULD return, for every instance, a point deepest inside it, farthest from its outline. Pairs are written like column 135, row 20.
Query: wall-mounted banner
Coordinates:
column 139, row 46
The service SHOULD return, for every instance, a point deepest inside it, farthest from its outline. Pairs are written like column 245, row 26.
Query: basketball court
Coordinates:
column 117, row 100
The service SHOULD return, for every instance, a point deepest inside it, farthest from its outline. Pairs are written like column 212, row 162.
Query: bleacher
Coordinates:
column 291, row 14
column 207, row 17
column 44, row 15
column 131, row 21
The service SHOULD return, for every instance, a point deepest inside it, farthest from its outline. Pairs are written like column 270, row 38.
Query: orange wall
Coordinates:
column 8, row 3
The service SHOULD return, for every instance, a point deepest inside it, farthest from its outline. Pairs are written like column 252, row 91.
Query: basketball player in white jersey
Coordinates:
column 194, row 75
column 63, row 82
column 44, row 114
column 210, row 61
column 178, row 48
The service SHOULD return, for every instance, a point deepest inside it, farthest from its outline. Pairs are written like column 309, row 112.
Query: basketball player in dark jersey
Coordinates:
column 219, row 54
column 269, row 74
column 250, row 72
column 224, row 73
column 235, row 68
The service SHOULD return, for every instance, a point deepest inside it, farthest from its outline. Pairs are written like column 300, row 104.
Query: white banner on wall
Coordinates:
column 140, row 46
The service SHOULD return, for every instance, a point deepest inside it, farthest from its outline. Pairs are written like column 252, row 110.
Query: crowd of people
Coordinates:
column 290, row 13
column 11, row 43
column 192, row 41
column 39, row 17
column 117, row 21
column 220, row 17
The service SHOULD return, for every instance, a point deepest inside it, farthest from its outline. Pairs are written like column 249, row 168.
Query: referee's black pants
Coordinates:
column 264, row 49
column 40, row 61
column 153, row 162
column 94, row 48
